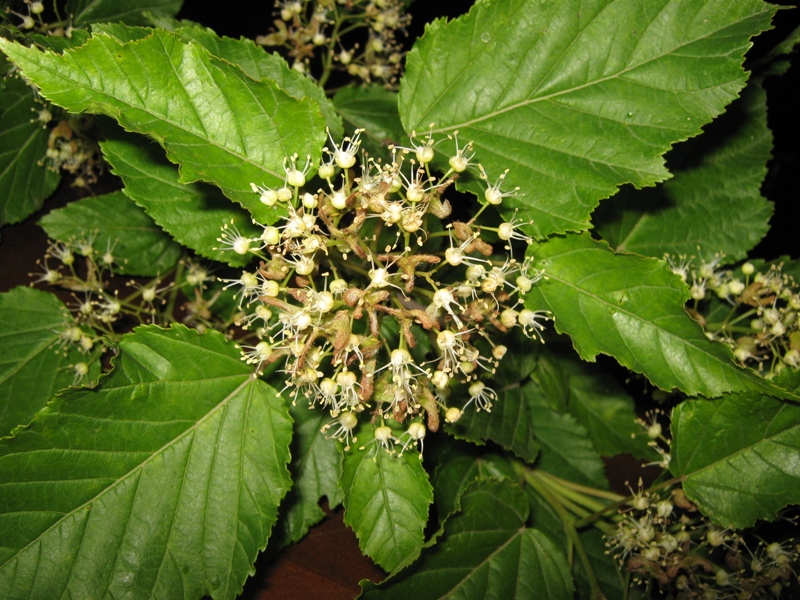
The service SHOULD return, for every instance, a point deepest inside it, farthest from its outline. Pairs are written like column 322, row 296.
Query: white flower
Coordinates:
column 493, row 194
column 346, row 424
column 482, row 396
column 460, row 160
column 234, row 241
column 415, row 433
column 345, row 155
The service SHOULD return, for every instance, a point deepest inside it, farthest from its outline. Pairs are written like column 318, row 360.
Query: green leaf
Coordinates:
column 739, row 455
column 163, row 482
column 523, row 358
column 550, row 376
column 215, row 121
column 192, row 213
column 605, row 410
column 458, row 466
column 632, row 308
column 58, row 43
column 713, row 204
column 85, row 12
column 386, row 500
column 24, row 183
column 577, row 99
column 605, row 567
column 565, row 447
column 509, row 424
column 374, row 109
column 259, row 64
column 485, row 551
column 32, row 367
column 138, row 245
column 315, row 467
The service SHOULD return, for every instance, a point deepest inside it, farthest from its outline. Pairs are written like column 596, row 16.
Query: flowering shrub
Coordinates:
column 342, row 270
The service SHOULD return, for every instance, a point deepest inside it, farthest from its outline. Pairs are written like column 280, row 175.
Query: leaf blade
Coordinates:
column 713, row 204
column 542, row 89
column 485, row 551
column 192, row 213
column 217, row 123
column 32, row 369
column 85, row 12
column 631, row 308
column 181, row 436
column 750, row 472
column 138, row 245
column 24, row 183
column 386, row 500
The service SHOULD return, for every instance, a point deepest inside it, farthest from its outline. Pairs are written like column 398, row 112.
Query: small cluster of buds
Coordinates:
column 762, row 323
column 34, row 16
column 372, row 295
column 305, row 28
column 663, row 540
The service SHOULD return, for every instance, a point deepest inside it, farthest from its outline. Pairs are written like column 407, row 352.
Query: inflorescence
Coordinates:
column 668, row 545
column 760, row 323
column 375, row 298
column 324, row 29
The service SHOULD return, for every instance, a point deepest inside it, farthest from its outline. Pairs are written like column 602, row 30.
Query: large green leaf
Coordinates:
column 258, row 64
column 606, row 410
column 85, row 12
column 220, row 125
column 249, row 57
column 163, row 482
column 138, row 245
column 577, row 98
column 740, row 455
column 24, row 180
column 33, row 367
column 713, row 204
column 315, row 471
column 631, row 308
column 485, row 551
column 192, row 213
column 565, row 447
column 386, row 500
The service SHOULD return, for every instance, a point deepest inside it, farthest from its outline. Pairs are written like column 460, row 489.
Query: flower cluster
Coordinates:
column 72, row 147
column 373, row 296
column 664, row 541
column 34, row 16
column 106, row 304
column 325, row 27
column 761, row 321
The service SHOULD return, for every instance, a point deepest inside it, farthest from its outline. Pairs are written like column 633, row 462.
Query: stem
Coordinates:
column 169, row 309
column 539, row 483
column 583, row 489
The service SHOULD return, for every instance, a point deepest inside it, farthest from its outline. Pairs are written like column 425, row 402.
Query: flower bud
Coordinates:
column 453, row 414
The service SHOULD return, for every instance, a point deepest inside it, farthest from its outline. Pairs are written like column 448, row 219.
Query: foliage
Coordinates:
column 332, row 272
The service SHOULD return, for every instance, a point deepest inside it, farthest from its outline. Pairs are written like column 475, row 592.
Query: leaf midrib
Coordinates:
column 487, row 560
